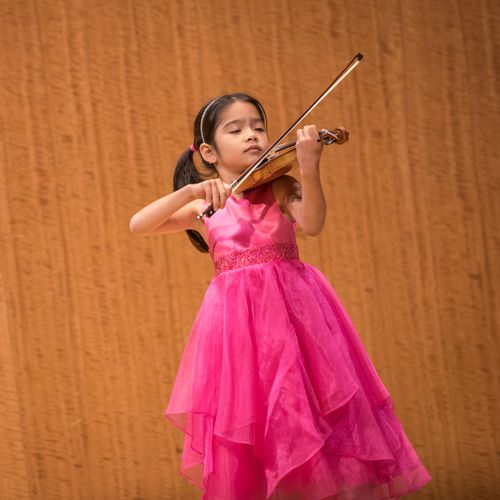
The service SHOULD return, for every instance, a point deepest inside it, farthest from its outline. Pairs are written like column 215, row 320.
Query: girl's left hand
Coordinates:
column 308, row 149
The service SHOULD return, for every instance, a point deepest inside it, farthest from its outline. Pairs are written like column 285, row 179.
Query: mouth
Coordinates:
column 253, row 148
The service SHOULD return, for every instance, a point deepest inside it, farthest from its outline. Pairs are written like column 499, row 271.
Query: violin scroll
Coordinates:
column 337, row 135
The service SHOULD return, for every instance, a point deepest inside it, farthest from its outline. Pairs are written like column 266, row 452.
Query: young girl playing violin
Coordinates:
column 275, row 393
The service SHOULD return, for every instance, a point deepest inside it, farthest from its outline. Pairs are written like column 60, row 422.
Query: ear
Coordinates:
column 207, row 152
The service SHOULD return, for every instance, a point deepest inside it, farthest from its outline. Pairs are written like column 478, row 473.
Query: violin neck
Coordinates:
column 327, row 136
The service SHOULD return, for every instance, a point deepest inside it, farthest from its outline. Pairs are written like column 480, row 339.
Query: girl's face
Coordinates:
column 240, row 138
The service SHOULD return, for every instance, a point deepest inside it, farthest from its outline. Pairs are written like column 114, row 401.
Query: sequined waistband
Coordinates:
column 256, row 255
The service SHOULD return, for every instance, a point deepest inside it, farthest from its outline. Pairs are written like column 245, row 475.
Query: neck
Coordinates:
column 226, row 176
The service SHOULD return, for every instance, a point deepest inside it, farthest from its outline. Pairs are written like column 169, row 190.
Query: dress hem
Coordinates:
column 204, row 480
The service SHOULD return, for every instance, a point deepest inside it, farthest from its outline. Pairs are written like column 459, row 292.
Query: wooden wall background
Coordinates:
column 96, row 103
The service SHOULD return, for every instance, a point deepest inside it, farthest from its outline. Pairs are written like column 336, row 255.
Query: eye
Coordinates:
column 235, row 131
column 260, row 129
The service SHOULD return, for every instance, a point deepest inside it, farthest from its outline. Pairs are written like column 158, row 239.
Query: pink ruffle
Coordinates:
column 285, row 405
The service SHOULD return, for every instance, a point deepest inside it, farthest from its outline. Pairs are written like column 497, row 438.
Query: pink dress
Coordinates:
column 275, row 393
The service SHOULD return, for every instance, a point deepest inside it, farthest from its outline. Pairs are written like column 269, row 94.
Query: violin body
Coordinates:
column 271, row 169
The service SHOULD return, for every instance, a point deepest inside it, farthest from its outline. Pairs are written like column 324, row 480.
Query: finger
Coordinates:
column 225, row 188
column 208, row 192
column 312, row 131
column 215, row 196
column 300, row 134
column 228, row 188
column 222, row 194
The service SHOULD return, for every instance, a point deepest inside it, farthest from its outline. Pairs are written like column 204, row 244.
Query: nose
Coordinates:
column 251, row 134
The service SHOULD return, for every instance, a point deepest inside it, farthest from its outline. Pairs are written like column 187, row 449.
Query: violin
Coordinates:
column 282, row 160
column 278, row 159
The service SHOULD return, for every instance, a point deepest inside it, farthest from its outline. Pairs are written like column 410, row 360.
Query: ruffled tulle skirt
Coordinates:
column 278, row 399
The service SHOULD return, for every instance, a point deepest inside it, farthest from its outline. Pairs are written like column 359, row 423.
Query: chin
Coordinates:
column 243, row 167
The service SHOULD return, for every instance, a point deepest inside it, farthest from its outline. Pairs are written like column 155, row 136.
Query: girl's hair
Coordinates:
column 185, row 170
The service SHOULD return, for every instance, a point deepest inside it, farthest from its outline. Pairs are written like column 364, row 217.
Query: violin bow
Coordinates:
column 246, row 173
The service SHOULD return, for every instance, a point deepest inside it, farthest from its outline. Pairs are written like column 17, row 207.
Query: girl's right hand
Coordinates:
column 214, row 192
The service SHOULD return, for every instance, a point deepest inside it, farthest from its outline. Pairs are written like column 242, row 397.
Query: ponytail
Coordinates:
column 186, row 173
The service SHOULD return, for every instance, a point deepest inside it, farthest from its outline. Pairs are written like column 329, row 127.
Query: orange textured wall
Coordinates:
column 97, row 100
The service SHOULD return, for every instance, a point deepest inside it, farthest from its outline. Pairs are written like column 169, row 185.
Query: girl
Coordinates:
column 275, row 393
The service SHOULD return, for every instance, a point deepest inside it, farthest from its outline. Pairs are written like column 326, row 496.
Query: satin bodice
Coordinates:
column 253, row 221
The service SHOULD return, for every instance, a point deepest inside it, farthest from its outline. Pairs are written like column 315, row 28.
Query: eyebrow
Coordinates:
column 241, row 120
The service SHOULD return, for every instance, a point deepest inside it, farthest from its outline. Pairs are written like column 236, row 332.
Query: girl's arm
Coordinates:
column 177, row 211
column 305, row 203
column 308, row 212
